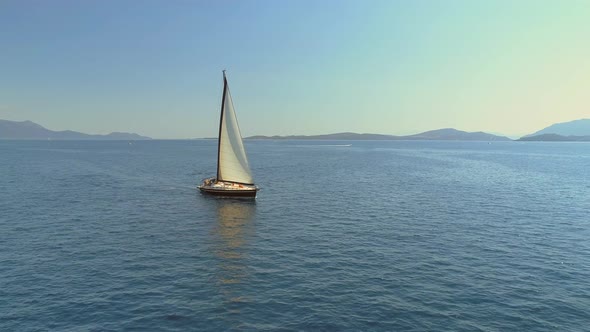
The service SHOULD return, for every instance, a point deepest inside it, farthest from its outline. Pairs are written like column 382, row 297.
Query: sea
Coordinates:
column 343, row 236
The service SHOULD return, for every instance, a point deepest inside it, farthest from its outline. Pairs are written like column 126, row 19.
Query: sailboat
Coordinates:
column 234, row 177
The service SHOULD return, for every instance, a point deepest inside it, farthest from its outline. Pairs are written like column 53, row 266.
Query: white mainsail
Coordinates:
column 233, row 163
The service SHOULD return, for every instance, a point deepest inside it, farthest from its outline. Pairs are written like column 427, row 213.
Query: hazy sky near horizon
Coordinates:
column 295, row 67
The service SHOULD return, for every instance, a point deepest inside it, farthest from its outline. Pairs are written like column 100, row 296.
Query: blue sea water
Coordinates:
column 376, row 236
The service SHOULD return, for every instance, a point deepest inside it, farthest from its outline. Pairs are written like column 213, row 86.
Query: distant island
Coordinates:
column 572, row 128
column 555, row 138
column 447, row 134
column 28, row 130
column 572, row 131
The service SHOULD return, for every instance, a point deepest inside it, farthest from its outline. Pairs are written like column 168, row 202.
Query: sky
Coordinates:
column 295, row 67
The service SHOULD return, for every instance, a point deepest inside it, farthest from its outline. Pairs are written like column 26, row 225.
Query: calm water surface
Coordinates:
column 377, row 236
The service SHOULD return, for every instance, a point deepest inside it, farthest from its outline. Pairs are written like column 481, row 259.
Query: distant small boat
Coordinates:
column 234, row 177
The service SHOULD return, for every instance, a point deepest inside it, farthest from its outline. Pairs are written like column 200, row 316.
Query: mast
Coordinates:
column 221, row 122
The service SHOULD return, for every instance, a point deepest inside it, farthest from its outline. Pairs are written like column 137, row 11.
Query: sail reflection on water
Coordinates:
column 232, row 232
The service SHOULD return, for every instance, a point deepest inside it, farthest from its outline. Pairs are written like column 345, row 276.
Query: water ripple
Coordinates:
column 378, row 236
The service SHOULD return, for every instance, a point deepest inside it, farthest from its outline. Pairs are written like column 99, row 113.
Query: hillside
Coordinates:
column 29, row 130
column 556, row 138
column 456, row 135
column 447, row 134
column 572, row 128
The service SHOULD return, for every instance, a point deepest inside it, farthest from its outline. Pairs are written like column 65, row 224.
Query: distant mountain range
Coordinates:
column 31, row 130
column 572, row 131
column 556, row 138
column 572, row 128
column 447, row 134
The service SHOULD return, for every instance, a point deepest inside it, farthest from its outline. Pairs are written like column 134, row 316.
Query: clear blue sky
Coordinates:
column 295, row 67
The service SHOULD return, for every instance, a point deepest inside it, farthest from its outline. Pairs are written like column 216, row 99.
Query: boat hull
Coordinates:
column 229, row 193
column 227, row 189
